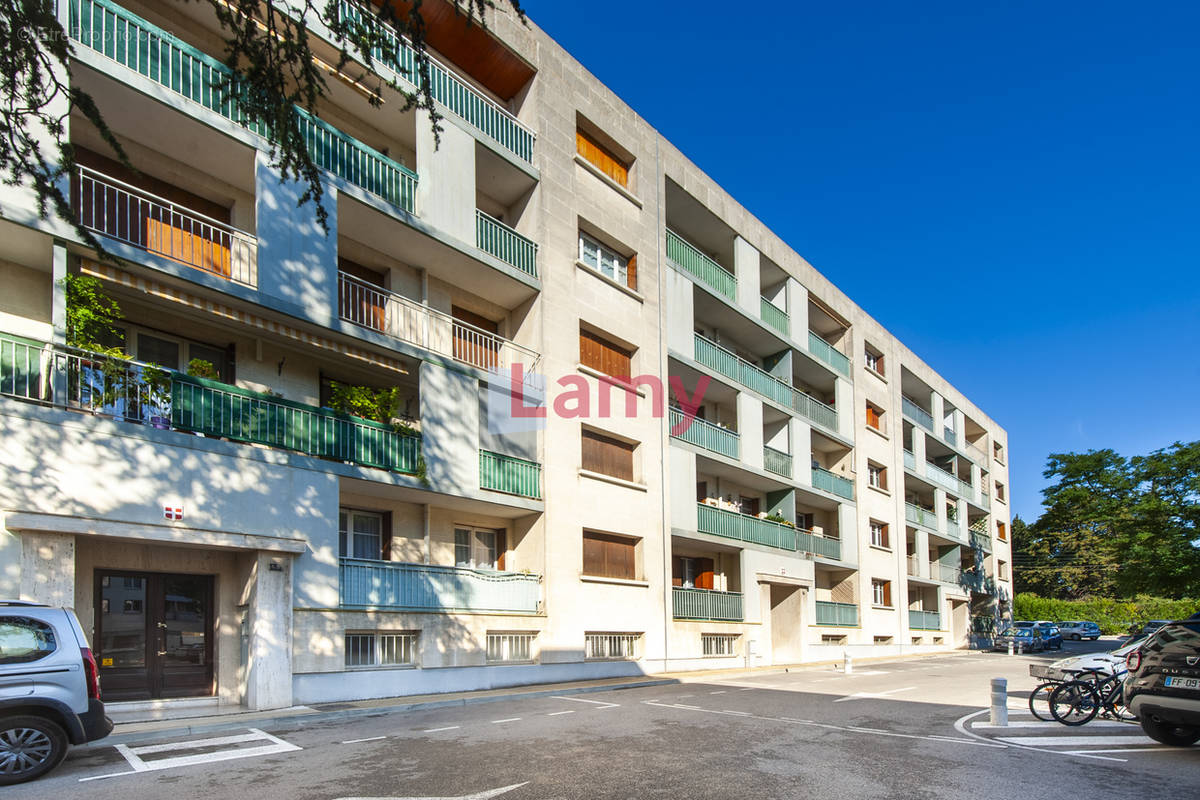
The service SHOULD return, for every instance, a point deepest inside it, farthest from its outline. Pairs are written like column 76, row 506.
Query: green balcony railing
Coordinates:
column 509, row 474
column 706, row 604
column 131, row 41
column 736, row 368
column 817, row 544
column 494, row 237
column 447, row 88
column 920, row 516
column 827, row 353
column 842, row 615
column 689, row 259
column 824, row 479
column 397, row 585
column 815, row 410
column 775, row 316
column 777, row 461
column 217, row 409
column 745, row 528
column 924, row 620
column 705, row 434
column 916, row 413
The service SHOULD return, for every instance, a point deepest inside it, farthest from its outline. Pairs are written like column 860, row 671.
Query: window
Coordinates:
column 602, row 158
column 1000, row 491
column 361, row 534
column 879, row 534
column 603, row 356
column 24, row 639
column 608, row 262
column 608, row 556
column 719, row 644
column 607, row 456
column 380, row 649
column 832, row 638
column 998, row 451
column 874, row 417
column 873, row 359
column 881, row 593
column 479, row 548
column 1002, row 570
column 882, row 639
column 690, row 572
column 1002, row 531
column 610, row 646
column 805, row 520
column 877, row 476
column 509, row 647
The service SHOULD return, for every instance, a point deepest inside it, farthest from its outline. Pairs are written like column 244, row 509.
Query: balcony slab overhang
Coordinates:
column 170, row 535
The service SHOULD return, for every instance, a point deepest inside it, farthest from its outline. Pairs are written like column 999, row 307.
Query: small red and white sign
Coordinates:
column 172, row 512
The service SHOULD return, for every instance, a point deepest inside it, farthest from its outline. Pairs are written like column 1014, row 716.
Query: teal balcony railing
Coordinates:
column 842, row 615
column 688, row 258
column 394, row 585
column 745, row 528
column 824, row 479
column 459, row 97
column 817, row 544
column 705, row 434
column 775, row 316
column 736, row 368
column 132, row 42
column 494, row 237
column 910, row 460
column 924, row 620
column 827, row 353
column 916, row 413
column 509, row 474
column 920, row 516
column 777, row 461
column 706, row 604
column 816, row 411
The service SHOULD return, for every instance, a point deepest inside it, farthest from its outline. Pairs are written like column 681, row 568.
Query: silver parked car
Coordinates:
column 49, row 690
column 1079, row 629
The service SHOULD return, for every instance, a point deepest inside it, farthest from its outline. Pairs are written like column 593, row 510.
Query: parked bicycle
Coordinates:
column 1077, row 702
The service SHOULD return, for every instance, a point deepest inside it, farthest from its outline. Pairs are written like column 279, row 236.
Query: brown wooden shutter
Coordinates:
column 887, row 593
column 593, row 555
column 600, row 354
column 676, row 571
column 501, row 548
column 607, row 456
column 385, row 536
column 704, row 573
column 608, row 556
column 872, row 416
column 601, row 158
column 631, row 270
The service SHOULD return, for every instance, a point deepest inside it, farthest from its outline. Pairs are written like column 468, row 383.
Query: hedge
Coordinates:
column 1113, row 616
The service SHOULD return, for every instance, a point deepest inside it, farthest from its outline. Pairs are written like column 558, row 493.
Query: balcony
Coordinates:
column 775, row 316
column 985, row 501
column 950, row 437
column 117, row 210
column 459, row 97
column 913, row 565
column 981, row 541
column 108, row 29
column 816, row 411
column 369, row 306
column 841, row 615
column 80, row 380
column 945, row 573
column 509, row 474
column 953, row 530
column 976, row 454
column 920, row 516
column 706, row 604
column 687, row 258
column 827, row 353
column 824, row 479
column 495, row 238
column 777, row 461
column 706, row 435
column 910, row 460
column 941, row 477
column 917, row 414
column 394, row 585
column 965, row 489
column 924, row 620
column 818, row 544
column 745, row 528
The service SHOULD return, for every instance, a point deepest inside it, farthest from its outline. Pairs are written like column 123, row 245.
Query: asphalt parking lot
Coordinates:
column 905, row 728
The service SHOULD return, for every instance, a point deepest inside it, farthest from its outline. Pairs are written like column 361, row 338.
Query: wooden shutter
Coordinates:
column 501, row 548
column 600, row 354
column 676, row 571
column 631, row 271
column 600, row 157
column 887, row 593
column 704, row 573
column 470, row 345
column 872, row 416
column 609, row 556
column 385, row 536
column 607, row 456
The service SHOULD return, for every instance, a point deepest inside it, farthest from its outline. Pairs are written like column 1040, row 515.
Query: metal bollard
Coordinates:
column 1020, row 648
column 1010, row 648
column 999, row 710
column 847, row 664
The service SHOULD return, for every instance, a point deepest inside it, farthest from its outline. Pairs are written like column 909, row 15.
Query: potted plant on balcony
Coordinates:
column 775, row 516
column 199, row 368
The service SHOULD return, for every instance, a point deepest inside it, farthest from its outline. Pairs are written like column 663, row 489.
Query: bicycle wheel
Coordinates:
column 1074, row 703
column 1114, row 700
column 1039, row 701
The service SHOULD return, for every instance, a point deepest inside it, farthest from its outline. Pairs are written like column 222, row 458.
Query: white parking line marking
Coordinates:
column 559, row 713
column 719, row 691
column 193, row 744
column 1037, row 723
column 600, row 703
column 510, row 719
column 864, row 695
column 368, row 739
column 960, row 725
column 133, row 754
column 1132, row 750
column 737, row 713
column 447, row 728
column 1075, row 741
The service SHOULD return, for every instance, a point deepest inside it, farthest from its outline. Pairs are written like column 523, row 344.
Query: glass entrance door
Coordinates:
column 153, row 635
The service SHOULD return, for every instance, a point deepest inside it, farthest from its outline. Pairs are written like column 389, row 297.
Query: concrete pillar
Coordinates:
column 797, row 308
column 680, row 297
column 746, row 264
column 48, row 568
column 960, row 427
column 269, row 629
column 919, row 448
column 750, row 429
column 843, row 393
column 446, row 185
column 937, row 408
column 921, row 549
column 939, row 507
column 848, row 529
column 801, row 436
column 976, row 482
column 450, row 428
column 682, row 487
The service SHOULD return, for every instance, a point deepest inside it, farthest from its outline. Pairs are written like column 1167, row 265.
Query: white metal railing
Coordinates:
column 120, row 211
column 394, row 315
column 505, row 648
column 610, row 646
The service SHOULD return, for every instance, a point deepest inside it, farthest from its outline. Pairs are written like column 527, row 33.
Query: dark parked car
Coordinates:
column 1163, row 687
column 1139, row 630
column 1028, row 640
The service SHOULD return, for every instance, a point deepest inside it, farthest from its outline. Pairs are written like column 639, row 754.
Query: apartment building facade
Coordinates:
column 790, row 483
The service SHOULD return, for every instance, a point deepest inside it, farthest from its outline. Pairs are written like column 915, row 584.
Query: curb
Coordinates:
column 318, row 717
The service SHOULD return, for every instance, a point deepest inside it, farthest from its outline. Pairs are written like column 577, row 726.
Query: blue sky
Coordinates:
column 1012, row 188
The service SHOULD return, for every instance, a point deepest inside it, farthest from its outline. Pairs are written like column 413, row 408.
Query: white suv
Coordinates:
column 49, row 690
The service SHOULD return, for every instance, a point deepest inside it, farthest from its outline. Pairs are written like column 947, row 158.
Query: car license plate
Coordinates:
column 1183, row 683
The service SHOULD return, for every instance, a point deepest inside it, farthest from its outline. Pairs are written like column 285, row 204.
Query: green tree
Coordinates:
column 269, row 48
column 1034, row 567
column 1159, row 541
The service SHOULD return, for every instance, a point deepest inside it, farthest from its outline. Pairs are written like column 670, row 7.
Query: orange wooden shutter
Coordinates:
column 601, row 158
